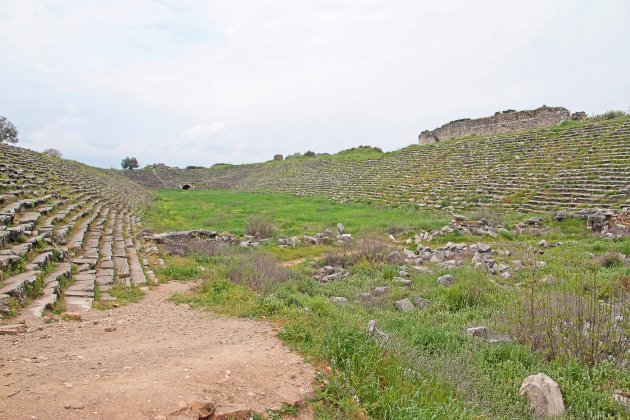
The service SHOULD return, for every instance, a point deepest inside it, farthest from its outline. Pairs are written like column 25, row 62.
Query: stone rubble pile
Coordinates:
column 458, row 224
column 328, row 274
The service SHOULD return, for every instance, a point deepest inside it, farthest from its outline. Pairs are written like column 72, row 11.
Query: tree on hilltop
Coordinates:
column 53, row 152
column 8, row 132
column 129, row 163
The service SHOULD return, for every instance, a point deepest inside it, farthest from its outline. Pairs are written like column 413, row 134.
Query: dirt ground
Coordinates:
column 142, row 360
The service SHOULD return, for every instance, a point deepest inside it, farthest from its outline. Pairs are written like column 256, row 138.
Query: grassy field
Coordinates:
column 228, row 211
column 428, row 368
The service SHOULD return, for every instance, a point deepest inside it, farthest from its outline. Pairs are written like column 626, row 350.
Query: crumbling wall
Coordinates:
column 501, row 122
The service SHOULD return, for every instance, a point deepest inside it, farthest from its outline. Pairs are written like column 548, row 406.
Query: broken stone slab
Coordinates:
column 378, row 291
column 7, row 260
column 408, row 254
column 543, row 393
column 404, row 282
column 484, row 248
column 340, row 229
column 89, row 261
column 423, row 270
column 232, row 412
column 81, row 302
column 44, row 302
column 42, row 259
column 16, row 285
column 186, row 234
column 122, row 267
column 63, row 270
column 338, row 299
column 4, row 303
column 373, row 331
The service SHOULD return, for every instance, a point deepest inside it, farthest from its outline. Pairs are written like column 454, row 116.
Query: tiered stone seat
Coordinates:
column 53, row 218
column 562, row 167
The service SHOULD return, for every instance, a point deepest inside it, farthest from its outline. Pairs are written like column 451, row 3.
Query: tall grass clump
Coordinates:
column 371, row 249
column 258, row 271
column 259, row 226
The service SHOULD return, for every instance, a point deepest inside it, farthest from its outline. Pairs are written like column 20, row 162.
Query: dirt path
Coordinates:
column 159, row 355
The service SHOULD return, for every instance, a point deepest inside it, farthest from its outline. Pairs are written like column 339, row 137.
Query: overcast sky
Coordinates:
column 187, row 82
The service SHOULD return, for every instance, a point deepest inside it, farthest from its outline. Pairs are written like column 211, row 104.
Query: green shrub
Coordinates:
column 180, row 272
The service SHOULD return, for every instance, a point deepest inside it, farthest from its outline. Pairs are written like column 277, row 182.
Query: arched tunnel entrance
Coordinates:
column 187, row 187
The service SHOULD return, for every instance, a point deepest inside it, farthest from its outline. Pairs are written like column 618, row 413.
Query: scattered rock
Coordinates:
column 404, row 305
column 544, row 395
column 373, row 331
column 623, row 399
column 378, row 291
column 338, row 299
column 74, row 406
column 232, row 412
column 446, row 280
column 71, row 316
column 549, row 279
column 421, row 303
column 478, row 332
column 405, row 282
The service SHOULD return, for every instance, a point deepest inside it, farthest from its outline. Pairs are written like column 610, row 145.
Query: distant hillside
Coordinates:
column 576, row 164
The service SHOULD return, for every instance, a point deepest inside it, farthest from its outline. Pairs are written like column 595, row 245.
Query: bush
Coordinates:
column 493, row 216
column 53, row 152
column 309, row 153
column 568, row 325
column 258, row 271
column 396, row 229
column 609, row 115
column 370, row 249
column 610, row 260
column 259, row 226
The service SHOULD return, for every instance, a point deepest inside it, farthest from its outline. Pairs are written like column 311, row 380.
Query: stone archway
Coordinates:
column 187, row 186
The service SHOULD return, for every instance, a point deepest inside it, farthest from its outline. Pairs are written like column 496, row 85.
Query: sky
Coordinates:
column 198, row 82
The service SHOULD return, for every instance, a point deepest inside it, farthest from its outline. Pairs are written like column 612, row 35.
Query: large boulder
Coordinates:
column 404, row 305
column 544, row 395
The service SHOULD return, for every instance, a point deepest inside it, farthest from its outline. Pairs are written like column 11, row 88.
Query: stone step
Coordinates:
column 16, row 285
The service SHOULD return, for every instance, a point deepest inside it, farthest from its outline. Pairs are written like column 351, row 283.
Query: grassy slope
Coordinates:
column 429, row 369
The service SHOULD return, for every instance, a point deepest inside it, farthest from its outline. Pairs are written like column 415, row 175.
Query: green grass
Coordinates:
column 228, row 211
column 428, row 368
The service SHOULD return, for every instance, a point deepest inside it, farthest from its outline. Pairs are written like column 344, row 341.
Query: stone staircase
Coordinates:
column 564, row 167
column 58, row 222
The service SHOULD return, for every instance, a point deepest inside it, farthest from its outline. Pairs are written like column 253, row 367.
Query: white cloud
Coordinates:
column 202, row 131
column 324, row 75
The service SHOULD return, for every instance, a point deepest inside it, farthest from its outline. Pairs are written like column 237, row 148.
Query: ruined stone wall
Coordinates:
column 501, row 122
